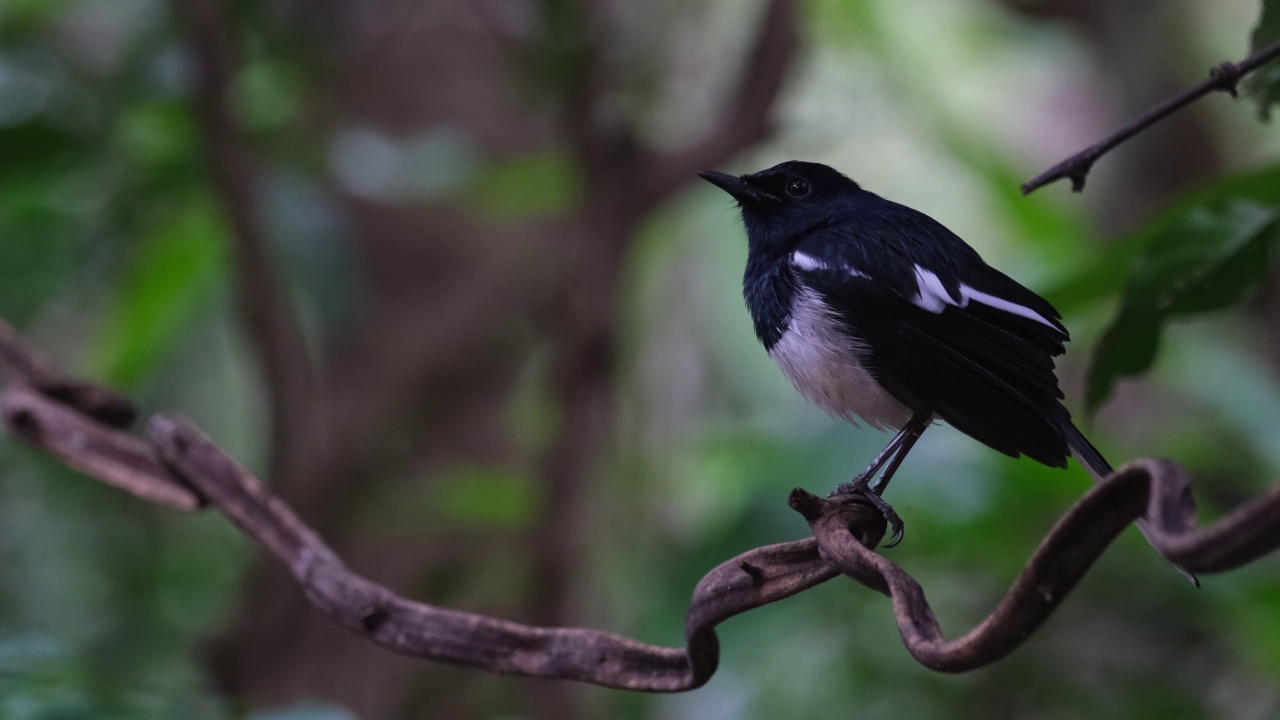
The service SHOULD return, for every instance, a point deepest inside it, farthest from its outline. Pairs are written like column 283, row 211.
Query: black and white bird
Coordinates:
column 877, row 312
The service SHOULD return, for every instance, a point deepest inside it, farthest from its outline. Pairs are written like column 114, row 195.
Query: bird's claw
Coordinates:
column 895, row 524
column 859, row 486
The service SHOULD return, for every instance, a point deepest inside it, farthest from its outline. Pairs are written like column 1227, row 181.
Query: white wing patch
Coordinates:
column 969, row 293
column 805, row 261
column 931, row 295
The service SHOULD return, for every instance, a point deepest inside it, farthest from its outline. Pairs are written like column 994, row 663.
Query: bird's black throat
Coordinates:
column 769, row 290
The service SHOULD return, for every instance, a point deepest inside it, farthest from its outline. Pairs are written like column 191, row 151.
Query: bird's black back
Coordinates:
column 910, row 316
column 908, row 289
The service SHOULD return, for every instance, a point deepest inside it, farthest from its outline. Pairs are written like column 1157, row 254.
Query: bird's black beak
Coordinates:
column 738, row 187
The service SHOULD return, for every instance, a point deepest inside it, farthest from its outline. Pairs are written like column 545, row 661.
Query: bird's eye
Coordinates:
column 798, row 187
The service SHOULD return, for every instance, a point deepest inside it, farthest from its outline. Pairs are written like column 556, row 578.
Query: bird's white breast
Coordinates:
column 824, row 363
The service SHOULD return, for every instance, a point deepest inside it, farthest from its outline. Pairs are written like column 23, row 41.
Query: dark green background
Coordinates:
column 115, row 256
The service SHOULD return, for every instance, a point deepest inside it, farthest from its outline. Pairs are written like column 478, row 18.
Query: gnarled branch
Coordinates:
column 845, row 533
column 97, row 450
column 21, row 362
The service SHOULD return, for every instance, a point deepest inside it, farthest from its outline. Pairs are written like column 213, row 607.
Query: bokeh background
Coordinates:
column 441, row 273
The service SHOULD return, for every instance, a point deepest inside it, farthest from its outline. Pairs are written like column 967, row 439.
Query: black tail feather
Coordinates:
column 1086, row 453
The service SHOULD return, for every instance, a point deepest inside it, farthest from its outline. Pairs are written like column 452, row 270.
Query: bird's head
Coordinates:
column 780, row 203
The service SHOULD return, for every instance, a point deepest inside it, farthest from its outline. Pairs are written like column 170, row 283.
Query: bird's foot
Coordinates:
column 860, row 486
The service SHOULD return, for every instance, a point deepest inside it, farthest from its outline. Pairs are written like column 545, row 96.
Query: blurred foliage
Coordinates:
column 525, row 187
column 113, row 255
column 176, row 268
column 303, row 711
column 1264, row 84
column 1204, row 254
column 475, row 498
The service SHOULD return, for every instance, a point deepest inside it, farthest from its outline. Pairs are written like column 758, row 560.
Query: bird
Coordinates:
column 878, row 313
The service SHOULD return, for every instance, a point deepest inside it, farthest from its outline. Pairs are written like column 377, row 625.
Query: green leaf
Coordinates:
column 1264, row 84
column 1128, row 347
column 175, row 270
column 1107, row 273
column 1212, row 258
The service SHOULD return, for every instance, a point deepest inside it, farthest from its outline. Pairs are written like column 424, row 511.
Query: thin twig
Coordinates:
column 1224, row 77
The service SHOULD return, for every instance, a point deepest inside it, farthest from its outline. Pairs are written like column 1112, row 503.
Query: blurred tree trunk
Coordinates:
column 457, row 304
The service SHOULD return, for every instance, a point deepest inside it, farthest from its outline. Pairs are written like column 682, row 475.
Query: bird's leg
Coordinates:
column 893, row 454
column 895, row 451
column 914, row 428
column 862, row 480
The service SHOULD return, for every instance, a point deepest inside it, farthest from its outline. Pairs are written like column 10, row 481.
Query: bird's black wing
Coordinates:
column 974, row 348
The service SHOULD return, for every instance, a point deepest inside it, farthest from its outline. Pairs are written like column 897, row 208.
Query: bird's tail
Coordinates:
column 1099, row 468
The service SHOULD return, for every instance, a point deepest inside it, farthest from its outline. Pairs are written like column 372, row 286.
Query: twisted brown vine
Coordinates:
column 179, row 467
